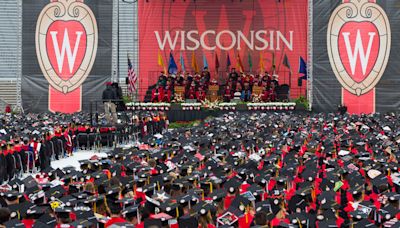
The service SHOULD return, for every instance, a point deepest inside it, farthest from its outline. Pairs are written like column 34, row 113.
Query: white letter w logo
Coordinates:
column 358, row 51
column 66, row 47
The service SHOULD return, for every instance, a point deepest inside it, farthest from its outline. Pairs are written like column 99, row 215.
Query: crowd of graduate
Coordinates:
column 238, row 86
column 29, row 143
column 236, row 170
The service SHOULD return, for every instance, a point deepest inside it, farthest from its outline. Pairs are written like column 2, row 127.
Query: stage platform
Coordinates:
column 199, row 111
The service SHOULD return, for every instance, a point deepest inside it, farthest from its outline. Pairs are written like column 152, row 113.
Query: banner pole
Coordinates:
column 310, row 56
column 19, row 107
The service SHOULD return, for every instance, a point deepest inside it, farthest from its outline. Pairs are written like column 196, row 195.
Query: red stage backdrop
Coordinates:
column 218, row 27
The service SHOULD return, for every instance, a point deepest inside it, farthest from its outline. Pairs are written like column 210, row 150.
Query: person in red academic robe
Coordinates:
column 191, row 93
column 265, row 95
column 227, row 94
column 8, row 109
column 68, row 140
column 157, row 94
column 272, row 93
column 201, row 94
column 168, row 92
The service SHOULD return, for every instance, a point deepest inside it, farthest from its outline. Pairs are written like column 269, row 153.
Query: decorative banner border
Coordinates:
column 65, row 94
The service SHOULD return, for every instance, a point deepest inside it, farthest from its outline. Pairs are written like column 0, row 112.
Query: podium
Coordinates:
column 213, row 93
column 180, row 91
column 257, row 90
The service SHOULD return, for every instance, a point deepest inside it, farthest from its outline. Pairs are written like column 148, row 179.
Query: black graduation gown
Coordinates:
column 44, row 156
column 57, row 147
column 24, row 159
column 18, row 161
column 10, row 166
column 3, row 168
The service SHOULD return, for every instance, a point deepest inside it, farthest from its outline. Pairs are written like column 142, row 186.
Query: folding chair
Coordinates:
column 97, row 141
column 30, row 157
column 18, row 161
column 53, row 152
column 79, row 137
column 61, row 143
column 91, row 140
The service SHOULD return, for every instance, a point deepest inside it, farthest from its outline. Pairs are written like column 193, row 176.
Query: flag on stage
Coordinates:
column 205, row 63
column 172, row 67
column 261, row 63
column 182, row 63
column 132, row 77
column 250, row 61
column 239, row 63
column 273, row 63
column 228, row 61
column 303, row 68
column 216, row 62
column 195, row 66
column 161, row 62
column 287, row 64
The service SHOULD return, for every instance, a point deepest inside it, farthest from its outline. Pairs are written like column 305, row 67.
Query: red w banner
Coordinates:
column 359, row 48
column 66, row 48
column 236, row 28
column 359, row 38
column 61, row 68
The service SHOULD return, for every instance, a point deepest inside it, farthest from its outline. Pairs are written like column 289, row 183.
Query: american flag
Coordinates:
column 132, row 77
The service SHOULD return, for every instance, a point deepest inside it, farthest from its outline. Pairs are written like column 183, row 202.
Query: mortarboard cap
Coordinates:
column 202, row 208
column 156, row 223
column 231, row 185
column 62, row 212
column 187, row 222
column 14, row 223
column 11, row 195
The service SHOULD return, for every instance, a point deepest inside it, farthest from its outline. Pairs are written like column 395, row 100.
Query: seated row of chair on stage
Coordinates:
column 282, row 92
